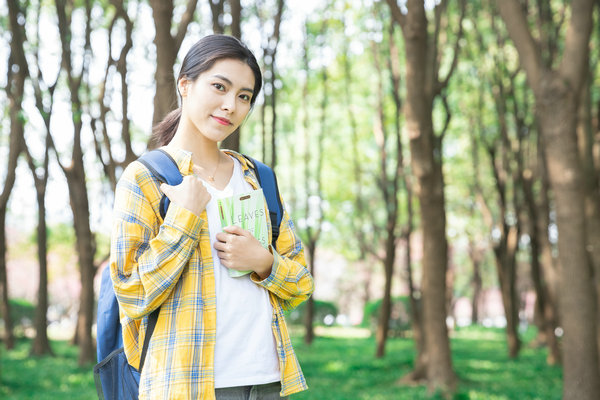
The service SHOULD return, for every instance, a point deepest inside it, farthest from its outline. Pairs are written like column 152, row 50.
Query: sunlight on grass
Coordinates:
column 340, row 365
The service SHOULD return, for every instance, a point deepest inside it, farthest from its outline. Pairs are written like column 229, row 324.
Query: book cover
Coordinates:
column 248, row 212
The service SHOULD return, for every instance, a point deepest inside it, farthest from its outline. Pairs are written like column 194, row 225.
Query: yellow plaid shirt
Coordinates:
column 168, row 264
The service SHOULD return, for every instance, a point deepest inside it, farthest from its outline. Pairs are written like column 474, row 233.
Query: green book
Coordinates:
column 248, row 212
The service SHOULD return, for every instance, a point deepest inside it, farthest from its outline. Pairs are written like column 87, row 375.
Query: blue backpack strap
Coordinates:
column 165, row 169
column 108, row 326
column 268, row 181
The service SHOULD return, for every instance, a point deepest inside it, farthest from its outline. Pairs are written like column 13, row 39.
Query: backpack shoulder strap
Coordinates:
column 165, row 169
column 268, row 181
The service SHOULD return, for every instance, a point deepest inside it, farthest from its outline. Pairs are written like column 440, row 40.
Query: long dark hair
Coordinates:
column 200, row 58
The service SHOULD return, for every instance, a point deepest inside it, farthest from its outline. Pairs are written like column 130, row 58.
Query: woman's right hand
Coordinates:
column 189, row 194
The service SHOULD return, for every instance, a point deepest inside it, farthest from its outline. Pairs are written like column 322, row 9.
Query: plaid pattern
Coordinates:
column 168, row 264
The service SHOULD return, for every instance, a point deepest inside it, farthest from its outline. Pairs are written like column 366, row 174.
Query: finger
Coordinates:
column 220, row 246
column 222, row 237
column 235, row 230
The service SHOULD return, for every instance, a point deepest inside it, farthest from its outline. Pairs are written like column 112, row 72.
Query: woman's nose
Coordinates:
column 228, row 103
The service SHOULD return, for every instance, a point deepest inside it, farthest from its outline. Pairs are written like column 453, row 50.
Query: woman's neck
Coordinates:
column 205, row 152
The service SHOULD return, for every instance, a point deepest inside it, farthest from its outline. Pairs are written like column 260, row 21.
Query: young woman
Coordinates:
column 216, row 336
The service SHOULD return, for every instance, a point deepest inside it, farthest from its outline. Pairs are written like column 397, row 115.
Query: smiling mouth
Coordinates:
column 222, row 121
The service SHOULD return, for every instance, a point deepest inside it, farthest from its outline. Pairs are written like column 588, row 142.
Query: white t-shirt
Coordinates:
column 245, row 350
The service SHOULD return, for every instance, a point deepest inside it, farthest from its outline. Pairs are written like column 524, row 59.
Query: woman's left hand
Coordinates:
column 239, row 250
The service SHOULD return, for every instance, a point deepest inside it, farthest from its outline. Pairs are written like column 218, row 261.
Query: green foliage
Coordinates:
column 322, row 309
column 22, row 311
column 399, row 319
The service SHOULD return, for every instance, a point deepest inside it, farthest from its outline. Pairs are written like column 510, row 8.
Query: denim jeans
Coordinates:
column 269, row 391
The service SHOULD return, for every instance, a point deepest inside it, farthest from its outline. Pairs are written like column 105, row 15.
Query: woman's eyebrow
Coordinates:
column 228, row 81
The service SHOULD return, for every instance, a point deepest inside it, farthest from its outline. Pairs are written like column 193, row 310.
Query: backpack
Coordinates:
column 114, row 377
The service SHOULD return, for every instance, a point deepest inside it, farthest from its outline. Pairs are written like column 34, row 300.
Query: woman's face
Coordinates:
column 217, row 102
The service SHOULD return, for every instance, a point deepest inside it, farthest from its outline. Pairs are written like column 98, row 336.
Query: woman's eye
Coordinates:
column 245, row 97
column 219, row 86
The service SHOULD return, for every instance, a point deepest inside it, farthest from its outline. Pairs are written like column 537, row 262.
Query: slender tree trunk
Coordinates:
column 389, row 187
column 475, row 256
column 506, row 266
column 585, row 140
column 15, row 88
column 40, row 344
column 313, row 231
column 386, row 304
column 5, row 309
column 85, row 245
column 76, row 182
column 309, row 332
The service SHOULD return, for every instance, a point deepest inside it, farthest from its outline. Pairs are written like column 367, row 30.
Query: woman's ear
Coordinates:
column 182, row 85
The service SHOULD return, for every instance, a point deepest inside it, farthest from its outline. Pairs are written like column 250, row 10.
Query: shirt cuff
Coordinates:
column 269, row 279
column 183, row 220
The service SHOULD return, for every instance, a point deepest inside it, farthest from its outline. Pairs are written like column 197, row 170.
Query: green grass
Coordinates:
column 24, row 377
column 336, row 369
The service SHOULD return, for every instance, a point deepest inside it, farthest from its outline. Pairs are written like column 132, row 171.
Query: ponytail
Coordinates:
column 164, row 131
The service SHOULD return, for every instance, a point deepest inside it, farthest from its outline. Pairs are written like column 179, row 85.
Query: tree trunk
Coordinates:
column 167, row 47
column 309, row 332
column 427, row 168
column 41, row 345
column 85, row 245
column 585, row 140
column 165, row 98
column 236, row 18
column 217, row 9
column 578, row 297
column 15, row 88
column 475, row 256
column 386, row 303
column 557, row 93
column 544, row 306
column 506, row 266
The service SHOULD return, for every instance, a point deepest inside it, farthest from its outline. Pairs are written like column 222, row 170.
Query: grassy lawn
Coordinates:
column 337, row 368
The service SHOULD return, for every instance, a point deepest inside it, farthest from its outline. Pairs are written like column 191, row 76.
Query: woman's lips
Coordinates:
column 222, row 121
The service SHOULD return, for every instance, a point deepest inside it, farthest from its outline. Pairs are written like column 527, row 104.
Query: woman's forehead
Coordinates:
column 236, row 72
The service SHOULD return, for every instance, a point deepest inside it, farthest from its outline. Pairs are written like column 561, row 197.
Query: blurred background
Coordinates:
column 441, row 160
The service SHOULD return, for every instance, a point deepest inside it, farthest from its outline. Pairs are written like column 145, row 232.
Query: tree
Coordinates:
column 423, row 86
column 40, row 174
column 270, row 41
column 313, row 206
column 15, row 89
column 388, row 181
column 557, row 91
column 75, row 175
column 167, row 47
column 100, row 123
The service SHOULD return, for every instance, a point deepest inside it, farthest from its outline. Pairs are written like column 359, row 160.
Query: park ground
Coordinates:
column 339, row 365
